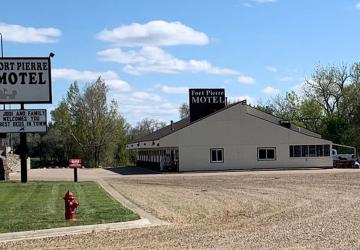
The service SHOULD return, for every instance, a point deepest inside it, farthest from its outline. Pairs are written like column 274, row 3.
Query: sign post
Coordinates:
column 75, row 164
column 23, row 154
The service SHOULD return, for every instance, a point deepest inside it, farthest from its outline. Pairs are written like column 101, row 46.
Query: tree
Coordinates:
column 94, row 125
column 336, row 89
column 326, row 86
column 330, row 106
column 311, row 114
column 144, row 127
column 184, row 111
column 287, row 107
column 265, row 108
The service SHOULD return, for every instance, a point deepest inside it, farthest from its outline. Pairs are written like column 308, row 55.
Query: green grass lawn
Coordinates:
column 40, row 205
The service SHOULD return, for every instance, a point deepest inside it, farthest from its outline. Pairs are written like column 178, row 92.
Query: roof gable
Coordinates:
column 167, row 130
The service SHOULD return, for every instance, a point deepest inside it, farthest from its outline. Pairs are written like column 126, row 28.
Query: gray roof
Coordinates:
column 156, row 135
column 276, row 120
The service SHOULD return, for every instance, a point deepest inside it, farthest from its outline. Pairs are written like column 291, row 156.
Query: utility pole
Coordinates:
column 2, row 55
column 2, row 50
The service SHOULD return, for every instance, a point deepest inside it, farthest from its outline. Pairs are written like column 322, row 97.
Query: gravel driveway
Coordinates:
column 316, row 209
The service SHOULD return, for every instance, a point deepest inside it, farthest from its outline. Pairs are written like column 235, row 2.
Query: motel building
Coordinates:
column 217, row 136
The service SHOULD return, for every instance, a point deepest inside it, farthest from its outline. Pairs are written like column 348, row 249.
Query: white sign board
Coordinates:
column 23, row 121
column 25, row 80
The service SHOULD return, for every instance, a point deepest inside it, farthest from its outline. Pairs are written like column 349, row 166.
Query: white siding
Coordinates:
column 240, row 134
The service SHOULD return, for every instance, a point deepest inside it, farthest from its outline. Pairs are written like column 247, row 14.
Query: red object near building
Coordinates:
column 70, row 205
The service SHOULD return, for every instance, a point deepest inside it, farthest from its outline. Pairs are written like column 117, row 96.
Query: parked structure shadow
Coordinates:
column 134, row 170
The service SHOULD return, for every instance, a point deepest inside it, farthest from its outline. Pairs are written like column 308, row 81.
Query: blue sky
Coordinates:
column 151, row 52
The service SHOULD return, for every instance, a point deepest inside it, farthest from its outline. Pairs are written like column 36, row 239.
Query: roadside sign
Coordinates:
column 74, row 163
column 25, row 80
column 23, row 121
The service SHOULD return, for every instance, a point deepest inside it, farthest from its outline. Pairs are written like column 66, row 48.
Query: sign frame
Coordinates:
column 49, row 99
column 209, row 101
column 74, row 163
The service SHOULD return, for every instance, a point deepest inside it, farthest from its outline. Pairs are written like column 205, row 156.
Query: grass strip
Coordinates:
column 40, row 205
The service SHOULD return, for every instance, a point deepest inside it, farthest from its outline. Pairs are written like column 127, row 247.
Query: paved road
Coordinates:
column 67, row 174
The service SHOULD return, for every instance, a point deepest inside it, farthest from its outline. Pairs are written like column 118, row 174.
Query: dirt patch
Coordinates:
column 272, row 210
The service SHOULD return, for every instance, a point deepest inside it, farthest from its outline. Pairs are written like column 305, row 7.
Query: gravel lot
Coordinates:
column 279, row 209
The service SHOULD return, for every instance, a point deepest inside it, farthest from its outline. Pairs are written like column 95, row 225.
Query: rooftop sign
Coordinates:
column 25, row 80
column 23, row 121
column 203, row 102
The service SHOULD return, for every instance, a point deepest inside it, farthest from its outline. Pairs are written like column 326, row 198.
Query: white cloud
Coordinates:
column 153, row 33
column 76, row 75
column 357, row 5
column 110, row 77
column 118, row 85
column 264, row 1
column 21, row 34
column 248, row 80
column 154, row 59
column 143, row 96
column 271, row 69
column 139, row 105
column 248, row 5
column 270, row 91
column 172, row 90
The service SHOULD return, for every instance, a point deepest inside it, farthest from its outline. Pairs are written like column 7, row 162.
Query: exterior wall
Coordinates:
column 239, row 134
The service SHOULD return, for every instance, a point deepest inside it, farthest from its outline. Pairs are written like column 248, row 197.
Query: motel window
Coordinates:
column 217, row 155
column 326, row 150
column 304, row 150
column 309, row 150
column 266, row 154
column 312, row 150
column 319, row 150
column 297, row 151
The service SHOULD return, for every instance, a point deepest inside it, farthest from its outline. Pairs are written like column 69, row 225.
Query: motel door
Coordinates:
column 174, row 159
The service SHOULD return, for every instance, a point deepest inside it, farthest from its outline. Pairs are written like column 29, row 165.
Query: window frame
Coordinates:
column 266, row 150
column 311, row 150
column 216, row 154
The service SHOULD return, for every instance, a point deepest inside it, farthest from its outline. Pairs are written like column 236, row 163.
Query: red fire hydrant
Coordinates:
column 70, row 205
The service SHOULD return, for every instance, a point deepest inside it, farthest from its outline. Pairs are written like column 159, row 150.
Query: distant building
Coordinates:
column 236, row 136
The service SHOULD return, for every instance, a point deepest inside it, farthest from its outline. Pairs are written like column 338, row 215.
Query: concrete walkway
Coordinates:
column 62, row 231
